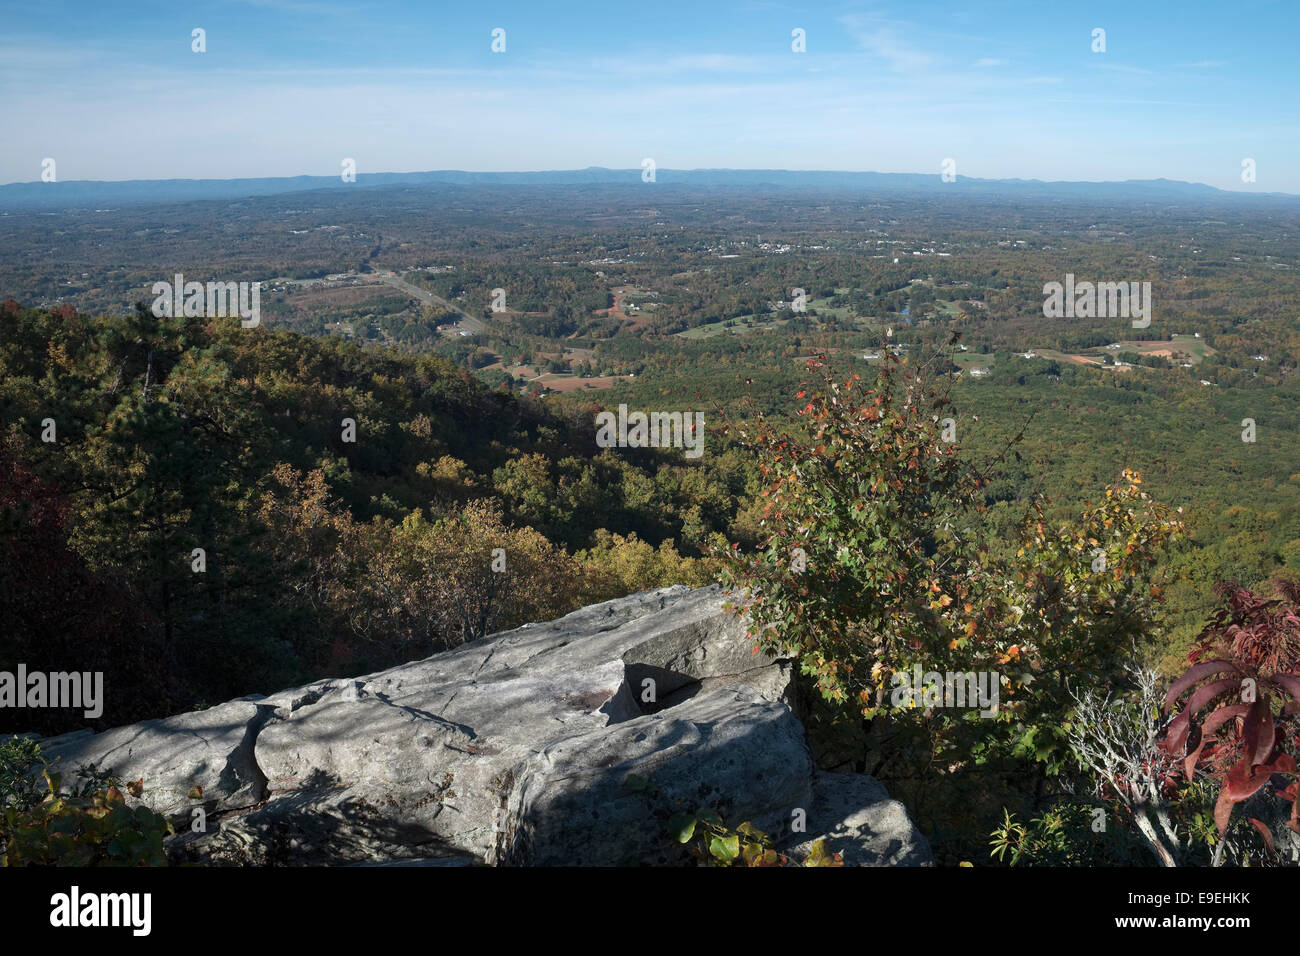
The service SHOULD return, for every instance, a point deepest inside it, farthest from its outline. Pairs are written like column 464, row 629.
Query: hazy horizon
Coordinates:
column 293, row 87
column 633, row 171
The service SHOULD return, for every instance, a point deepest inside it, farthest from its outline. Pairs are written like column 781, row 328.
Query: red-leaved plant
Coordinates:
column 1245, row 664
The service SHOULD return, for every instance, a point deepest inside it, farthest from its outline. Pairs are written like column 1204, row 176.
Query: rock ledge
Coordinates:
column 512, row 750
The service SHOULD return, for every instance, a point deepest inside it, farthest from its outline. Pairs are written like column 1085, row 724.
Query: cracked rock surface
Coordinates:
column 511, row 750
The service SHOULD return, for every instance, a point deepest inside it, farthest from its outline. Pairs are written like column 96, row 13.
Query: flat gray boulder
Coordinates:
column 565, row 743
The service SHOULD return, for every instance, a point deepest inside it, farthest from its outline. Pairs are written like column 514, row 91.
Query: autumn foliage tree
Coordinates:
column 872, row 559
column 469, row 574
column 876, row 559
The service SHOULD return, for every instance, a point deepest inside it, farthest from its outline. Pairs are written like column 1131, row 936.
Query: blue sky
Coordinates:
column 1184, row 90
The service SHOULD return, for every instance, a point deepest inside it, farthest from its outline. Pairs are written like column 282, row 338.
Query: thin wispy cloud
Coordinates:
column 883, row 39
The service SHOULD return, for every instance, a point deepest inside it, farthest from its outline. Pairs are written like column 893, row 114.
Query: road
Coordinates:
column 424, row 295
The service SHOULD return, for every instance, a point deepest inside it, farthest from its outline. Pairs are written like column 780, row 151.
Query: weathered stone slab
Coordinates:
column 512, row 750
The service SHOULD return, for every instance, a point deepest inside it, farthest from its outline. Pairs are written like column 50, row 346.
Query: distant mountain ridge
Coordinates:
column 90, row 193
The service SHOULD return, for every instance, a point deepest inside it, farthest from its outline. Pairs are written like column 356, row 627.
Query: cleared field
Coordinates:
column 720, row 328
column 824, row 307
column 1178, row 349
column 1055, row 356
column 760, row 323
column 573, row 383
column 1195, row 349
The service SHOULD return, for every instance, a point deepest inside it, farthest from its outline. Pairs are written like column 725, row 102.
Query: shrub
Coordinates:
column 18, row 759
column 88, row 826
column 716, row 845
column 869, row 562
column 1245, row 667
column 1066, row 834
column 877, row 559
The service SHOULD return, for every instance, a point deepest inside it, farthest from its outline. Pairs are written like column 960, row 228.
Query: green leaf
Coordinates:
column 710, row 817
column 725, row 848
column 750, row 832
column 682, row 827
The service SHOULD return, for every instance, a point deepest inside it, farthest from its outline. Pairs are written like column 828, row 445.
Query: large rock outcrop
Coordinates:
column 512, row 750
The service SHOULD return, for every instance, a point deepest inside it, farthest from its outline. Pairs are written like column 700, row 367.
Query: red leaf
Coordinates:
column 1223, row 811
column 1208, row 692
column 1193, row 675
column 1244, row 781
column 1210, row 730
column 1176, row 735
column 1266, row 833
column 1258, row 733
column 1284, row 763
